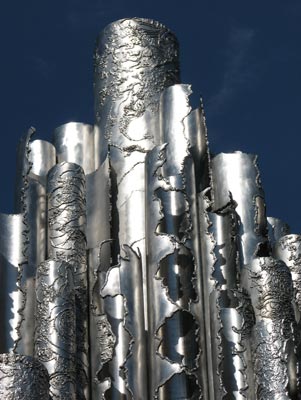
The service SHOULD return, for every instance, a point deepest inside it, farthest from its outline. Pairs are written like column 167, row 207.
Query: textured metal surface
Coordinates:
column 55, row 334
column 22, row 378
column 12, row 299
column 135, row 59
column 228, row 312
column 176, row 329
column 67, row 241
column 288, row 250
column 119, row 345
column 74, row 143
column 276, row 229
column 268, row 282
column 238, row 174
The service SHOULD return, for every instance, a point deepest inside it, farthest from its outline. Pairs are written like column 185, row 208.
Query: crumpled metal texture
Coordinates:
column 55, row 334
column 11, row 297
column 23, row 378
column 176, row 326
column 228, row 311
column 135, row 59
column 276, row 229
column 120, row 341
column 269, row 284
column 238, row 174
column 67, row 241
column 288, row 250
column 34, row 160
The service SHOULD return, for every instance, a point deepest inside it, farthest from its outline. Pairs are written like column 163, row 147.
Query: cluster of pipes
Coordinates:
column 139, row 265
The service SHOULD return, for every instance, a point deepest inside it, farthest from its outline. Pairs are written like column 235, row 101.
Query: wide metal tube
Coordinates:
column 237, row 173
column 268, row 283
column 55, row 334
column 67, row 241
column 23, row 378
column 135, row 59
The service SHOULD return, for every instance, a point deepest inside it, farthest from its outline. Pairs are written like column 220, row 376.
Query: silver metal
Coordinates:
column 135, row 59
column 67, row 241
column 238, row 174
column 176, row 326
column 276, row 229
column 74, row 142
column 268, row 283
column 119, row 351
column 42, row 157
column 22, row 378
column 12, row 299
column 228, row 312
column 55, row 334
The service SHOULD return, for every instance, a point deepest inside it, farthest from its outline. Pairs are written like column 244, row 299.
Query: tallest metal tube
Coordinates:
column 134, row 61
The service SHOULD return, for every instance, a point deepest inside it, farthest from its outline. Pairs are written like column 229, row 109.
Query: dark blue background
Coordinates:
column 243, row 57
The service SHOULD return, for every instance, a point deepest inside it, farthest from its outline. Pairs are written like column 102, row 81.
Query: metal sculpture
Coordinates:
column 139, row 265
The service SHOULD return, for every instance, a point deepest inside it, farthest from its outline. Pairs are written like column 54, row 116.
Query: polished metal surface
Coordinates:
column 138, row 266
column 12, row 299
column 134, row 60
column 176, row 327
column 74, row 142
column 276, row 229
column 238, row 174
column 229, row 315
column 119, row 351
column 67, row 241
column 269, row 285
column 55, row 334
column 22, row 378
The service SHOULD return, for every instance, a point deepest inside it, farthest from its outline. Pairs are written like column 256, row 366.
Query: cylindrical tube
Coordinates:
column 228, row 312
column 135, row 59
column 23, row 378
column 237, row 173
column 276, row 229
column 268, row 283
column 11, row 296
column 74, row 143
column 119, row 348
column 176, row 351
column 55, row 334
column 67, row 241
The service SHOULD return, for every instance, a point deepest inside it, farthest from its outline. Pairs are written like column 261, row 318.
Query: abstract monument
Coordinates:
column 139, row 264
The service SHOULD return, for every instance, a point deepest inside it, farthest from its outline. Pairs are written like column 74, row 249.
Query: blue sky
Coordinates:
column 242, row 57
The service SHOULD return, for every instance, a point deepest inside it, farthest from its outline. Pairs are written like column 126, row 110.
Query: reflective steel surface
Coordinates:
column 23, row 378
column 138, row 265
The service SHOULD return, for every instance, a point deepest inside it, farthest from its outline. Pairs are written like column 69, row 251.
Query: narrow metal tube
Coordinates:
column 55, row 333
column 120, row 345
column 268, row 283
column 288, row 250
column 23, row 378
column 67, row 241
column 12, row 298
column 276, row 229
column 74, row 143
column 237, row 173
column 176, row 352
column 228, row 312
